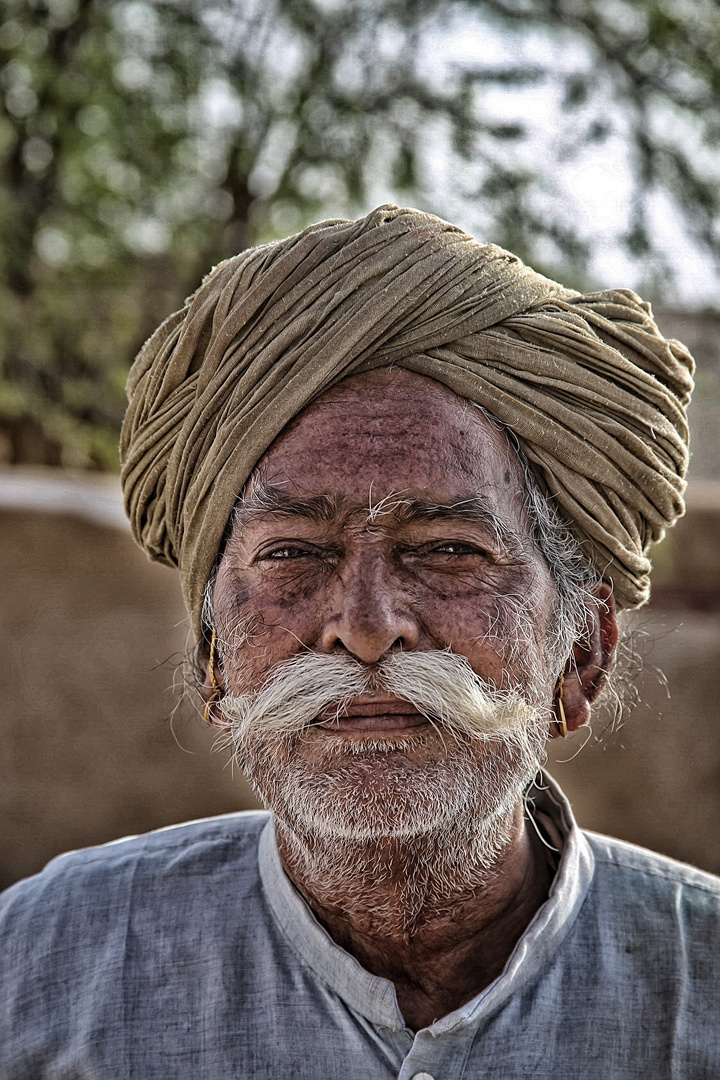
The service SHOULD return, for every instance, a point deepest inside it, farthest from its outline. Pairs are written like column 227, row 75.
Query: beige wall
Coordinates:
column 92, row 636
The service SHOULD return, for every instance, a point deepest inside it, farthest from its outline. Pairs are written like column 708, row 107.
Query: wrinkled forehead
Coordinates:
column 390, row 438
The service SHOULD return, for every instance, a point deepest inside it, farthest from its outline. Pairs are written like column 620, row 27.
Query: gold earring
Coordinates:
column 562, row 722
column 216, row 692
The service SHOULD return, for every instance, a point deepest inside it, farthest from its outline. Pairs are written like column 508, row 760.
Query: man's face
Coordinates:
column 387, row 519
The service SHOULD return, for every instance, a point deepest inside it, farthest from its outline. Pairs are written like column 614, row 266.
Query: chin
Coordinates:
column 363, row 790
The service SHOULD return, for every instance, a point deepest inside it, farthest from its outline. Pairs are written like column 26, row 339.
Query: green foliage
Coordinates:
column 93, row 111
column 143, row 140
column 651, row 71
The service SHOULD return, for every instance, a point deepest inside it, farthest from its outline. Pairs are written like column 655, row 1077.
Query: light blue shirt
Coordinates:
column 187, row 954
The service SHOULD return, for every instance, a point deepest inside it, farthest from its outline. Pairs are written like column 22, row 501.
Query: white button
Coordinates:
column 423, row 1076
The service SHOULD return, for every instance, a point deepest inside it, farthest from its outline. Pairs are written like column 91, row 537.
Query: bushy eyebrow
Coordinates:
column 270, row 500
column 476, row 510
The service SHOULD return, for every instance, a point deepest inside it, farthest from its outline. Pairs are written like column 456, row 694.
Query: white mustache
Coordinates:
column 440, row 685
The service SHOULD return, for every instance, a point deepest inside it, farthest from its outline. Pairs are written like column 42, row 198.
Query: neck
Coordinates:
column 426, row 912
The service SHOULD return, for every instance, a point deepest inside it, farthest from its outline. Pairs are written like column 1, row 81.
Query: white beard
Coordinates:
column 397, row 828
column 465, row 776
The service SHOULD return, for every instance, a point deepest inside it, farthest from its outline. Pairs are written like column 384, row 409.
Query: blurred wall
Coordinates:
column 93, row 635
column 93, row 743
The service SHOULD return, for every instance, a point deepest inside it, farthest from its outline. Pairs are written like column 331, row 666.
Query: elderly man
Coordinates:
column 407, row 482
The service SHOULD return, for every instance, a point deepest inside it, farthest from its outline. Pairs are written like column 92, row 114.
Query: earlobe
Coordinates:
column 211, row 690
column 571, row 706
column 585, row 674
column 559, row 707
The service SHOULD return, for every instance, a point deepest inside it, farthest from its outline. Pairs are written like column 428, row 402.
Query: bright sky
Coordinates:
column 593, row 182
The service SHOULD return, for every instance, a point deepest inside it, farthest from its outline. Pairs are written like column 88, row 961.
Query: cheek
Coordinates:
column 494, row 623
column 292, row 600
column 260, row 625
column 460, row 616
column 472, row 602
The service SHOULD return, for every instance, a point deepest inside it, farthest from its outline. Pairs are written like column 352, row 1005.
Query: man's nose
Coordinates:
column 372, row 616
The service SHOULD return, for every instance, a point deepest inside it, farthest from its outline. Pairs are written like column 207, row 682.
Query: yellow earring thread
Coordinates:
column 215, row 696
column 561, row 722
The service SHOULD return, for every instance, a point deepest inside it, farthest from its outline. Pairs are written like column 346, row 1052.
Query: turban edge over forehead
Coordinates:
column 594, row 393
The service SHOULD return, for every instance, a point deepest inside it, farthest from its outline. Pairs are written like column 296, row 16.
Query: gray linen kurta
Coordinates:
column 187, row 954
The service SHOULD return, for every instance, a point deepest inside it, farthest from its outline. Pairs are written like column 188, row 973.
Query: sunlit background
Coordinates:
column 140, row 143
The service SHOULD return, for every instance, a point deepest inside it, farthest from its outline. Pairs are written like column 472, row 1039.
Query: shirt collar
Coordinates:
column 374, row 997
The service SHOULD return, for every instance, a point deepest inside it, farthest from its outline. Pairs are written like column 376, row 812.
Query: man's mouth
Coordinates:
column 379, row 715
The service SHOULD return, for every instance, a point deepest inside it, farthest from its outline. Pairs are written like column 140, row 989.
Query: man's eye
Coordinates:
column 439, row 548
column 453, row 547
column 287, row 552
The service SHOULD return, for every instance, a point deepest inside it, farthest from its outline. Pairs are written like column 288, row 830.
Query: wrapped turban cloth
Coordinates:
column 594, row 393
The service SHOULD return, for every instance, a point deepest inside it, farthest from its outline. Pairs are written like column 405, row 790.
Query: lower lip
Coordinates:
column 382, row 724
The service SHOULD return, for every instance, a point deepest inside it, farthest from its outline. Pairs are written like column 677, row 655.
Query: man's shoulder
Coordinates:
column 634, row 860
column 647, row 879
column 93, row 929
column 163, row 856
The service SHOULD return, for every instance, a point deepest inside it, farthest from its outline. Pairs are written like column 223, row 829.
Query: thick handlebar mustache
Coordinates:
column 439, row 684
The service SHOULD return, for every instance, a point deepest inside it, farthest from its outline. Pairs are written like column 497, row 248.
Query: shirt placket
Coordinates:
column 437, row 1057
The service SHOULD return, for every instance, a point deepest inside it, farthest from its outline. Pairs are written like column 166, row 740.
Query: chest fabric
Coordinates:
column 190, row 955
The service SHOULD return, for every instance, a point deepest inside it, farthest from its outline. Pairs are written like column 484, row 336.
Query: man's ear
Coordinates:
column 212, row 685
column 586, row 673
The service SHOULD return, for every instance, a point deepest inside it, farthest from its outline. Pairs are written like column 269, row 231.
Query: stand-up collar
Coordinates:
column 374, row 997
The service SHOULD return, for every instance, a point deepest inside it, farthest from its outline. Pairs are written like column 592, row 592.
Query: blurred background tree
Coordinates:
column 143, row 140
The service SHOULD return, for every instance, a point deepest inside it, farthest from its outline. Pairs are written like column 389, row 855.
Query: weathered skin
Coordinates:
column 372, row 583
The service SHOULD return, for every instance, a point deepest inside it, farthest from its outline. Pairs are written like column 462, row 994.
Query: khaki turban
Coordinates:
column 594, row 393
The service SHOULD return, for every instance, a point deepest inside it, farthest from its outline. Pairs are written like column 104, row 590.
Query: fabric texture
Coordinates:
column 187, row 953
column 594, row 393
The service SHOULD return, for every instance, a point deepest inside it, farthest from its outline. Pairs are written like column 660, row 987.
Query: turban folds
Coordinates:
column 594, row 393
